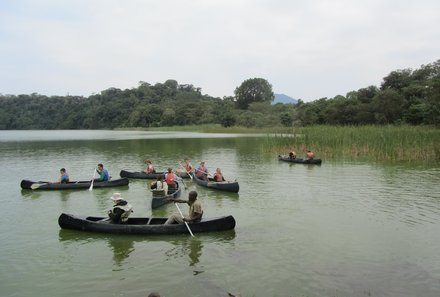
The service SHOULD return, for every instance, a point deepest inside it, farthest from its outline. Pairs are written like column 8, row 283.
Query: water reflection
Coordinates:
column 64, row 195
column 122, row 246
column 195, row 251
column 31, row 194
column 192, row 247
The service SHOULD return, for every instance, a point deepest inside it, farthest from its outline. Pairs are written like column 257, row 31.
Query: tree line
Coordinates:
column 404, row 97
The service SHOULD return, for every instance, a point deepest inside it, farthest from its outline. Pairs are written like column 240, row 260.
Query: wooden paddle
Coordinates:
column 181, row 178
column 190, row 232
column 35, row 186
column 93, row 179
column 207, row 173
column 187, row 172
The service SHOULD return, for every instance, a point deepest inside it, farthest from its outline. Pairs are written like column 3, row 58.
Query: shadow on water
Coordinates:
column 124, row 245
column 31, row 194
column 223, row 195
column 63, row 195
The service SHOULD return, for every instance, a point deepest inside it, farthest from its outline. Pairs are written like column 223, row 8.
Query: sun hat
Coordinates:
column 116, row 197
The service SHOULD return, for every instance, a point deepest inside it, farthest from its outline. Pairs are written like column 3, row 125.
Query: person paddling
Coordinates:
column 187, row 167
column 195, row 210
column 103, row 173
column 202, row 171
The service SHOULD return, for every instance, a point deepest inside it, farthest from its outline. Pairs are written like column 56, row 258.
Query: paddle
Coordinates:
column 207, row 173
column 93, row 179
column 188, row 172
column 35, row 186
column 181, row 179
column 175, row 203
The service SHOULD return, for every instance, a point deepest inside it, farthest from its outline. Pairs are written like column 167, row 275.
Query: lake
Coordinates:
column 343, row 228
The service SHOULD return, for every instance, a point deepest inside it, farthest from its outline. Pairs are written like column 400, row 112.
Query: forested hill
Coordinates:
column 404, row 97
column 148, row 105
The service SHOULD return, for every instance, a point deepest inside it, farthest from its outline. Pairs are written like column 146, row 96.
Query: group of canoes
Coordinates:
column 140, row 225
column 150, row 225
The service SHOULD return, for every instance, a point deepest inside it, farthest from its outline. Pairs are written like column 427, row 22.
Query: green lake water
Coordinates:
column 343, row 228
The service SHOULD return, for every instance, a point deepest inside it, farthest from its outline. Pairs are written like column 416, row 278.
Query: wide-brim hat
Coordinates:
column 116, row 197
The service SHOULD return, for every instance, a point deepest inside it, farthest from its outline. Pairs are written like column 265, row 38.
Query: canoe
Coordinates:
column 228, row 186
column 299, row 160
column 44, row 185
column 143, row 225
column 143, row 175
column 160, row 199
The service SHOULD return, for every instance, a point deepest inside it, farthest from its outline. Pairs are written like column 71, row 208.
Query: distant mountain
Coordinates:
column 281, row 98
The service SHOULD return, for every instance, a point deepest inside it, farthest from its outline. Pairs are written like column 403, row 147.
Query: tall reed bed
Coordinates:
column 394, row 143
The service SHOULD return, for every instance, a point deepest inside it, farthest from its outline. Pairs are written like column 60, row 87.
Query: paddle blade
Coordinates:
column 187, row 226
column 35, row 186
column 93, row 178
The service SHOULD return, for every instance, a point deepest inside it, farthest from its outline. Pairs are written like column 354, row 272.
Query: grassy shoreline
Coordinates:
column 384, row 143
column 212, row 128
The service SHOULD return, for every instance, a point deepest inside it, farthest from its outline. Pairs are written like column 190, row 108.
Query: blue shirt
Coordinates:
column 64, row 178
column 103, row 175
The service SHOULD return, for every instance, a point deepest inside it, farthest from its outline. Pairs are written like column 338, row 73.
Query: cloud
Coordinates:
column 305, row 49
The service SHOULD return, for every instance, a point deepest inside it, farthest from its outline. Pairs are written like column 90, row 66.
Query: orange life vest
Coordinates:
column 170, row 178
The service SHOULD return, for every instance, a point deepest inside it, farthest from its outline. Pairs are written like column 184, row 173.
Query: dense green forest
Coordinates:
column 404, row 97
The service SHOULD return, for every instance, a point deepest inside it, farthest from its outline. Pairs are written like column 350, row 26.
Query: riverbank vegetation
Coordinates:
column 404, row 143
column 215, row 128
column 397, row 121
column 404, row 97
column 382, row 143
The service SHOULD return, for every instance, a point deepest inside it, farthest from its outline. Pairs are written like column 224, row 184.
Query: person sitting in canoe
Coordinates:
column 64, row 177
column 160, row 184
column 218, row 175
column 195, row 210
column 171, row 178
column 187, row 166
column 202, row 171
column 292, row 154
column 150, row 168
column 310, row 155
column 121, row 209
column 103, row 173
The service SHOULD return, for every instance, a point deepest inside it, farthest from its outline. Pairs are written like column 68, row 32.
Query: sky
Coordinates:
column 306, row 49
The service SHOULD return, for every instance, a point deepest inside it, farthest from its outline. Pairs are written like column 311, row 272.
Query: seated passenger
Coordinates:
column 150, row 168
column 121, row 209
column 160, row 184
column 202, row 171
column 64, row 177
column 292, row 155
column 171, row 179
column 218, row 176
column 310, row 155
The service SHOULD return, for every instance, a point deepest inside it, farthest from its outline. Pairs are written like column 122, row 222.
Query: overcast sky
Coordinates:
column 307, row 49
